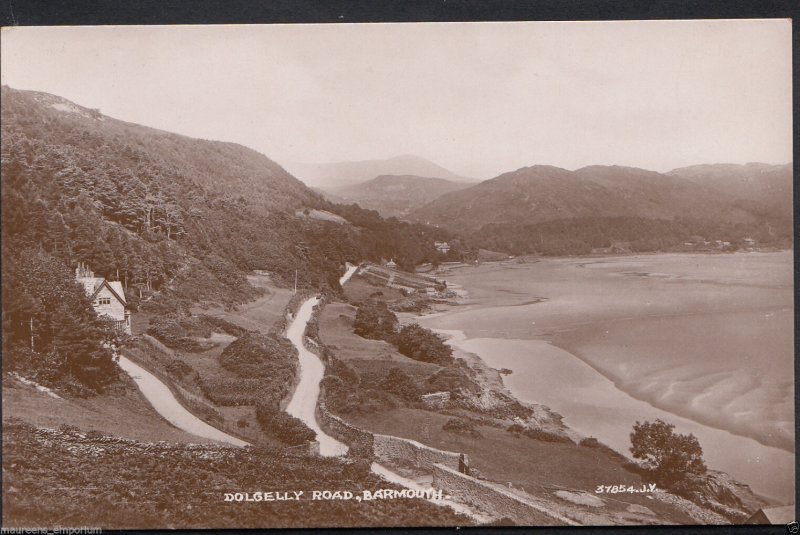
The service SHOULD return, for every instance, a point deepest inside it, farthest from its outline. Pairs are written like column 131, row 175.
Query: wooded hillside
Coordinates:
column 179, row 221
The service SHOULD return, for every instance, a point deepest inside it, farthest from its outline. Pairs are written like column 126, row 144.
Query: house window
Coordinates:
column 104, row 301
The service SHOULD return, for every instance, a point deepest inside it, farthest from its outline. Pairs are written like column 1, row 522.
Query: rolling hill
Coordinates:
column 170, row 214
column 556, row 211
column 331, row 176
column 543, row 193
column 397, row 195
column 753, row 185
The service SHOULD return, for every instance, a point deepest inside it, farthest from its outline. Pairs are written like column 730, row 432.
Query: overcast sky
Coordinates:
column 477, row 98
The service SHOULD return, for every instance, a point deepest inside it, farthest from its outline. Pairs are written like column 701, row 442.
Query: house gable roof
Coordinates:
column 111, row 289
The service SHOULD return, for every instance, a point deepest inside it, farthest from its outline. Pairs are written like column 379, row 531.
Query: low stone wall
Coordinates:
column 405, row 452
column 359, row 441
column 157, row 344
column 494, row 499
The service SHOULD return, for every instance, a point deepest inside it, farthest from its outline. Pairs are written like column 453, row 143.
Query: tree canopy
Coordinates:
column 671, row 458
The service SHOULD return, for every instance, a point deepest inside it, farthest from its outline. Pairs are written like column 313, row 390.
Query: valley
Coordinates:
column 276, row 338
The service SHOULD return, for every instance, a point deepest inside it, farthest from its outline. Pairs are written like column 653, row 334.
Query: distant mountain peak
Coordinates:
column 335, row 175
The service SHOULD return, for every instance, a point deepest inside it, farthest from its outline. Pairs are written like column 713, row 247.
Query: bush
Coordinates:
column 178, row 331
column 375, row 321
column 178, row 368
column 230, row 392
column 222, row 325
column 461, row 427
column 346, row 400
column 671, row 459
column 419, row 343
column 400, row 384
column 515, row 429
column 546, row 436
column 284, row 427
column 256, row 355
column 537, row 434
column 345, row 373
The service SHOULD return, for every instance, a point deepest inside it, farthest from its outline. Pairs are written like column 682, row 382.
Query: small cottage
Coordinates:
column 108, row 297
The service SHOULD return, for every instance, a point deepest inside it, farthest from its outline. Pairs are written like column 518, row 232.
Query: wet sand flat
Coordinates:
column 704, row 339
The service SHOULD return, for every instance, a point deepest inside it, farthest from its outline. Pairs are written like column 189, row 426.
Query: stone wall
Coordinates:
column 494, row 499
column 405, row 452
column 359, row 441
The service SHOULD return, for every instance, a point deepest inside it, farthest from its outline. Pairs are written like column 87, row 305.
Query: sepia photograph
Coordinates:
column 407, row 275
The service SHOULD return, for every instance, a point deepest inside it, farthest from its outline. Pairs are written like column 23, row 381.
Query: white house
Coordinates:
column 442, row 246
column 108, row 297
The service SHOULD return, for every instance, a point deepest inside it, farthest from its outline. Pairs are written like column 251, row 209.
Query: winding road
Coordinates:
column 303, row 404
column 164, row 402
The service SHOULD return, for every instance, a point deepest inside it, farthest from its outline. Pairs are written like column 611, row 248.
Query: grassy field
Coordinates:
column 358, row 289
column 539, row 468
column 123, row 413
column 259, row 315
column 336, row 332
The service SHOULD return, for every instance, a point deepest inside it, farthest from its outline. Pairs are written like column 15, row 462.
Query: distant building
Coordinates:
column 108, row 298
column 442, row 246
column 390, row 264
column 773, row 515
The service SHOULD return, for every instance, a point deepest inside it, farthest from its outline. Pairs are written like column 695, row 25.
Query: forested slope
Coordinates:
column 178, row 220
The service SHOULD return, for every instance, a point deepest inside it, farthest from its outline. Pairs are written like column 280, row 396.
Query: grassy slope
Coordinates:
column 123, row 413
column 259, row 315
column 64, row 479
column 145, row 486
column 538, row 467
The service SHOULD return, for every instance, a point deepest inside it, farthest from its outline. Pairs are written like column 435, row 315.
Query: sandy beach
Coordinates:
column 702, row 341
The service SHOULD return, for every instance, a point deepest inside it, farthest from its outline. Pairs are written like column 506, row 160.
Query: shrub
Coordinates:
column 235, row 392
column 347, row 400
column 178, row 331
column 401, row 384
column 375, row 321
column 537, row 434
column 515, row 429
column 423, row 344
column 178, row 368
column 546, row 436
column 345, row 373
column 284, row 427
column 671, row 459
column 225, row 326
column 461, row 427
column 257, row 355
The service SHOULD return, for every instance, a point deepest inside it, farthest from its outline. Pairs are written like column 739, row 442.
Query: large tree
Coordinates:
column 671, row 458
column 50, row 330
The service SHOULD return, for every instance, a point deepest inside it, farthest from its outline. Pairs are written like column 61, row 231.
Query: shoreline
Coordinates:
column 459, row 339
